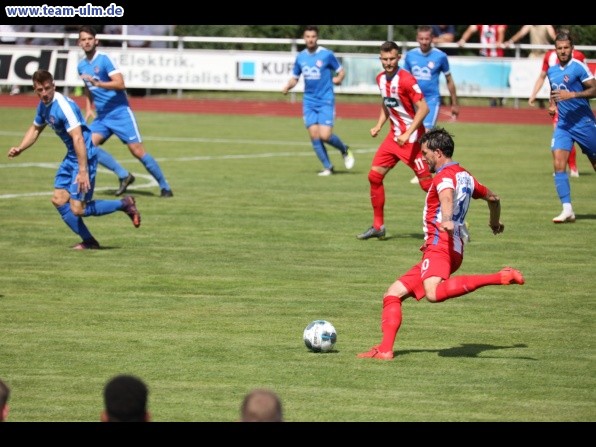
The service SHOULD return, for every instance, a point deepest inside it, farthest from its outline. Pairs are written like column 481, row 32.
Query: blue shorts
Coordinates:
column 584, row 134
column 323, row 114
column 434, row 104
column 67, row 173
column 120, row 122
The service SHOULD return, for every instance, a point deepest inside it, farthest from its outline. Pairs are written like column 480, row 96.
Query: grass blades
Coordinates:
column 209, row 297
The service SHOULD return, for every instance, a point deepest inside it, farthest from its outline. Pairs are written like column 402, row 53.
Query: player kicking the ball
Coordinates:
column 445, row 210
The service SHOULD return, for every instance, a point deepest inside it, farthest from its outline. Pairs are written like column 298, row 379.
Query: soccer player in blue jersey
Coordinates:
column 105, row 88
column 427, row 63
column 572, row 85
column 75, row 178
column 321, row 70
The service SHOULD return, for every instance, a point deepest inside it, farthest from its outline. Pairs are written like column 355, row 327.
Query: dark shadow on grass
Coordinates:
column 134, row 193
column 585, row 216
column 466, row 350
column 129, row 192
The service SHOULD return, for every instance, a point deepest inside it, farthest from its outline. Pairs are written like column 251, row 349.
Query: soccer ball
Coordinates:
column 320, row 336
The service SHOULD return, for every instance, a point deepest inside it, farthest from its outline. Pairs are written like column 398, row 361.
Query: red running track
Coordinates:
column 504, row 115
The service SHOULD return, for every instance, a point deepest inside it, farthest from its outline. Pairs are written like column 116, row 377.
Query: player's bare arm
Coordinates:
column 588, row 92
column 290, row 85
column 446, row 199
column 537, row 87
column 494, row 206
column 453, row 94
column 89, row 105
column 29, row 140
column 337, row 80
column 116, row 82
column 421, row 112
column 82, row 178
column 381, row 121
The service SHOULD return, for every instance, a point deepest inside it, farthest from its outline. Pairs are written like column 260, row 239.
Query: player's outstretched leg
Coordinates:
column 391, row 318
column 130, row 208
column 76, row 224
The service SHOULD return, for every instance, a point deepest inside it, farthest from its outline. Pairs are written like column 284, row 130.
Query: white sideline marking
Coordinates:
column 150, row 180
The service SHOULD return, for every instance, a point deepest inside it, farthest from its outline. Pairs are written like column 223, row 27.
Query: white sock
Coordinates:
column 567, row 208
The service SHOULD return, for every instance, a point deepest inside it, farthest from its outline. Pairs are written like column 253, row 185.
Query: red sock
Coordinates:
column 572, row 159
column 390, row 322
column 377, row 198
column 464, row 284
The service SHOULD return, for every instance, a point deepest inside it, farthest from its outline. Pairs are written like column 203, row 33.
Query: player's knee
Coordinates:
column 431, row 293
column 137, row 150
column 375, row 178
column 431, row 297
column 59, row 198
column 77, row 209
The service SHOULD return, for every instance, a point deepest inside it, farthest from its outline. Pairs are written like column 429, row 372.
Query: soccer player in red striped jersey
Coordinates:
column 403, row 104
column 447, row 203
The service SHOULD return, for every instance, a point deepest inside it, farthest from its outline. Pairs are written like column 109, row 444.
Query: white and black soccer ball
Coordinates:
column 320, row 336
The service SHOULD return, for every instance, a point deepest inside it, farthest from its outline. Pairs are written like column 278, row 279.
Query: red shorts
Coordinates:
column 437, row 260
column 390, row 153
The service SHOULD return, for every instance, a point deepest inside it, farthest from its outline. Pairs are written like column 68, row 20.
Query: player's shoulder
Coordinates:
column 405, row 75
column 453, row 168
column 101, row 56
column 59, row 105
column 325, row 52
column 440, row 54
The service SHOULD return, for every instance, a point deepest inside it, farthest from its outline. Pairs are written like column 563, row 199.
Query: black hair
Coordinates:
column 388, row 46
column 87, row 29
column 125, row 399
column 439, row 138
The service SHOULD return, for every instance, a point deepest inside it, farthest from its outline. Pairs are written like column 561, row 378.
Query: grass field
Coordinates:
column 209, row 297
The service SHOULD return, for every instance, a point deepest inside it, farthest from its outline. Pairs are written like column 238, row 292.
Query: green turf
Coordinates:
column 209, row 297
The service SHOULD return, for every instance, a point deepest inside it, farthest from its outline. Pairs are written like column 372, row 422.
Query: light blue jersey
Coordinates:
column 576, row 121
column 318, row 70
column 571, row 78
column 427, row 69
column 101, row 67
column 114, row 115
column 63, row 115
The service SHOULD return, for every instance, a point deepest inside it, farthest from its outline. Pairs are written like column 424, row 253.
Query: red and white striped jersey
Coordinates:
column 400, row 94
column 489, row 35
column 465, row 188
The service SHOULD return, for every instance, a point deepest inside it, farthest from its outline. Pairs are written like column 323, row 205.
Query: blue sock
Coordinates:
column 106, row 159
column 154, row 169
column 101, row 207
column 321, row 152
column 336, row 142
column 562, row 186
column 75, row 223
